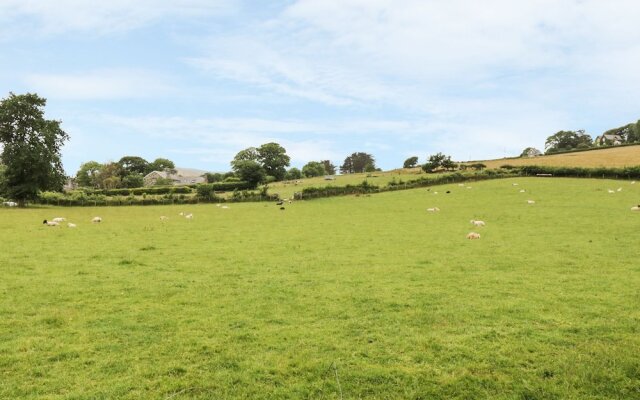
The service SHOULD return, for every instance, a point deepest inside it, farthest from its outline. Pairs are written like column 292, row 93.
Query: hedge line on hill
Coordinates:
column 218, row 187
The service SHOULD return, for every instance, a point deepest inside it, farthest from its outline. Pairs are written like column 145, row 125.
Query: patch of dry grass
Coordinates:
column 627, row 156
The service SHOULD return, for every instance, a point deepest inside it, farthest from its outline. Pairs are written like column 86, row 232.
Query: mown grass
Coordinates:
column 350, row 297
column 613, row 157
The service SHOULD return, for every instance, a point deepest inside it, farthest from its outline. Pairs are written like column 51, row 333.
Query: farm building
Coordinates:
column 607, row 140
column 179, row 176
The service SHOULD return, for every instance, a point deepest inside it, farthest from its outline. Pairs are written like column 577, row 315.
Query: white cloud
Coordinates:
column 100, row 17
column 100, row 84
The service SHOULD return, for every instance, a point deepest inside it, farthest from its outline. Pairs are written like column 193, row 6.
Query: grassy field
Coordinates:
column 627, row 156
column 351, row 297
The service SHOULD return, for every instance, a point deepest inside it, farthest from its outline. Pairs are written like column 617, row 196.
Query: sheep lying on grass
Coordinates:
column 531, row 202
column 71, row 225
column 473, row 235
column 96, row 220
column 477, row 222
column 50, row 223
column 433, row 209
column 189, row 216
column 635, row 208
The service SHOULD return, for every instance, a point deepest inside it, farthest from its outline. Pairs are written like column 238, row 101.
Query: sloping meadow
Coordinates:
column 350, row 297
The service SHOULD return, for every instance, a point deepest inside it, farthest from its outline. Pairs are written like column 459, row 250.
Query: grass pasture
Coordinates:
column 347, row 297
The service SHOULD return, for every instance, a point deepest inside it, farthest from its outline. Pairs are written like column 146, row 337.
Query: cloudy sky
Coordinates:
column 198, row 80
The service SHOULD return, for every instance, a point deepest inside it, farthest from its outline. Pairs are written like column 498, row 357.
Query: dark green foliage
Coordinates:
column 250, row 172
column 410, row 162
column 31, row 147
column 329, row 168
column 478, row 166
column 161, row 164
column 293, row 174
column 133, row 180
column 133, row 164
column 438, row 162
column 274, row 160
column 213, row 177
column 357, row 163
column 3, row 181
column 567, row 140
column 313, row 169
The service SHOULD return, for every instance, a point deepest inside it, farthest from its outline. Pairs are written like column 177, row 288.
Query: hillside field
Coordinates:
column 614, row 157
column 348, row 297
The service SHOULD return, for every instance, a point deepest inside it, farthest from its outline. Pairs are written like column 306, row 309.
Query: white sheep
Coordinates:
column 522, row 190
column 181, row 214
column 619, row 189
column 225, row 207
column 477, row 222
column 10, row 203
column 468, row 187
column 531, row 202
column 514, row 184
column 189, row 216
column 461, row 184
column 635, row 208
column 50, row 223
column 610, row 191
column 96, row 220
column 71, row 225
column 633, row 182
column 59, row 219
column 473, row 235
column 433, row 209
column 218, row 205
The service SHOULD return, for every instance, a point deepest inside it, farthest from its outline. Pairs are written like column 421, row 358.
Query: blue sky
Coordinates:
column 196, row 81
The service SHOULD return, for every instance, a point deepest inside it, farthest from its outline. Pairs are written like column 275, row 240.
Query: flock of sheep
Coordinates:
column 58, row 220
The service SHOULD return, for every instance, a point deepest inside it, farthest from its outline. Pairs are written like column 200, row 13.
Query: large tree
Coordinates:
column 274, row 160
column 161, row 164
column 250, row 171
column 329, row 168
column 133, row 165
column 567, row 140
column 438, row 161
column 410, row 162
column 88, row 173
column 31, row 147
column 357, row 162
column 312, row 169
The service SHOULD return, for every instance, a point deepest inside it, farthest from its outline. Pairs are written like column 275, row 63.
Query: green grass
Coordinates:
column 372, row 292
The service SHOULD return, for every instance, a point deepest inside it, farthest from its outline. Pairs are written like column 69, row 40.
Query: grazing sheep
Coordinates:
column 10, row 203
column 514, row 184
column 619, row 189
column 218, row 205
column 50, row 223
column 473, row 235
column 71, row 225
column 468, row 187
column 477, row 222
column 633, row 182
column 635, row 208
column 433, row 209
column 189, row 216
column 59, row 219
column 610, row 191
column 96, row 220
column 225, row 207
column 461, row 184
column 435, row 192
column 531, row 202
column 522, row 190
column 181, row 214
column 163, row 218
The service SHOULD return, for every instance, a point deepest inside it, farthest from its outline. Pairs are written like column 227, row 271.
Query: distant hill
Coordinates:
column 625, row 156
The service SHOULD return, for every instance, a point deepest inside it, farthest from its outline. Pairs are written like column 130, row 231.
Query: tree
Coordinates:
column 293, row 174
column 3, row 181
column 357, row 162
column 213, row 177
column 109, row 176
column 31, row 147
column 161, row 164
column 250, row 171
column 133, row 164
column 566, row 140
column 274, row 160
column 329, row 168
column 530, row 152
column 87, row 174
column 410, row 162
column 313, row 169
column 438, row 161
column 133, row 180
column 248, row 154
